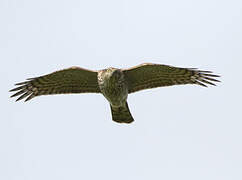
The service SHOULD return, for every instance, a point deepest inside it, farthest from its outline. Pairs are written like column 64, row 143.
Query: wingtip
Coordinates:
column 212, row 75
column 31, row 96
column 21, row 83
column 201, row 84
column 11, row 90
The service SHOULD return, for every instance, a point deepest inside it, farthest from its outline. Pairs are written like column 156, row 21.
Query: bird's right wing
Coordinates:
column 149, row 75
column 71, row 80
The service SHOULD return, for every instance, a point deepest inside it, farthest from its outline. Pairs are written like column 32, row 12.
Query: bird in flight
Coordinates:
column 115, row 84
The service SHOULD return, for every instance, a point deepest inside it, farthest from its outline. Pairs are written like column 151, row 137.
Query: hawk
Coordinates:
column 115, row 84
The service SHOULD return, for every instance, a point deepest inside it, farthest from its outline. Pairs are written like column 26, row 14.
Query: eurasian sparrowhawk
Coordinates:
column 115, row 84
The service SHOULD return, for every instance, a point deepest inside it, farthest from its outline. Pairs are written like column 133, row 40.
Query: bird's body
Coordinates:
column 115, row 84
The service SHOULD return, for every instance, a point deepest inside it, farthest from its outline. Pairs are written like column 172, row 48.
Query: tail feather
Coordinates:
column 122, row 114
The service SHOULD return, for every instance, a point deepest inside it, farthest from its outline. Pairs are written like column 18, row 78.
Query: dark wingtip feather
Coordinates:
column 17, row 88
column 205, row 77
column 201, row 84
column 22, row 90
column 23, row 96
column 212, row 75
column 29, row 97
column 18, row 93
column 201, row 71
column 211, row 79
column 21, row 83
column 207, row 82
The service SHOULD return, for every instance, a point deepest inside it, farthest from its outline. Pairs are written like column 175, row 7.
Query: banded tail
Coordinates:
column 121, row 114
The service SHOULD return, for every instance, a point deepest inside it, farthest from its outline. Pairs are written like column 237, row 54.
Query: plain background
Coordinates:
column 180, row 132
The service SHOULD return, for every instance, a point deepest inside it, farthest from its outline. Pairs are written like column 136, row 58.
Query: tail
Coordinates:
column 122, row 114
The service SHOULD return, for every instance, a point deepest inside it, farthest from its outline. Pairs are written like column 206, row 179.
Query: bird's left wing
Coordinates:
column 149, row 75
column 71, row 80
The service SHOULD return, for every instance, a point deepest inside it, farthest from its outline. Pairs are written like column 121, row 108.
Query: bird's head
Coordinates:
column 114, row 74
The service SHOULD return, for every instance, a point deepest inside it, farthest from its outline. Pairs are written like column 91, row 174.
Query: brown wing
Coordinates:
column 149, row 75
column 71, row 80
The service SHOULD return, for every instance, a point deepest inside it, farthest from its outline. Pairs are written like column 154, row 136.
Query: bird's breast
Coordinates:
column 115, row 92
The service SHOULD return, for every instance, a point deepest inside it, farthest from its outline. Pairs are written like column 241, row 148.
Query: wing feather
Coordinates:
column 71, row 80
column 149, row 75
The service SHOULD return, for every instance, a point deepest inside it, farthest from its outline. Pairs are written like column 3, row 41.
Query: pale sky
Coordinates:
column 180, row 132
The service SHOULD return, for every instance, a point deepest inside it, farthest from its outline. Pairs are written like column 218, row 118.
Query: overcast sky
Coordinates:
column 180, row 132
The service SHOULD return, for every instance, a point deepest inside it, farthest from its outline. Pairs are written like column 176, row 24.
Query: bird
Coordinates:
column 115, row 84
